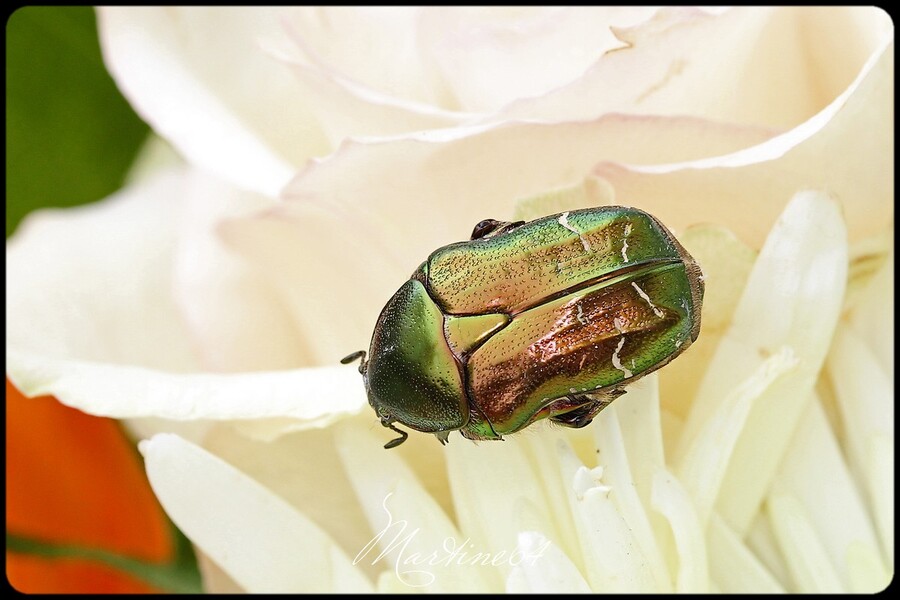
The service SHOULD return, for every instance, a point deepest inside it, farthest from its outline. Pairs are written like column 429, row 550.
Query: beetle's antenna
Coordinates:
column 395, row 442
column 359, row 354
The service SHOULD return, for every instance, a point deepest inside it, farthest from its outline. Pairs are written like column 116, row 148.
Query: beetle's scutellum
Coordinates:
column 525, row 321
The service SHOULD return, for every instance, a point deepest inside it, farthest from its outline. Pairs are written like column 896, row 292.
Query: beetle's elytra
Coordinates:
column 545, row 319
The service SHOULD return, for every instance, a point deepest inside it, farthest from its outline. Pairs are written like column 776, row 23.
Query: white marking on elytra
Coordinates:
column 581, row 364
column 625, row 242
column 617, row 363
column 580, row 316
column 564, row 221
column 619, row 324
column 678, row 343
column 646, row 298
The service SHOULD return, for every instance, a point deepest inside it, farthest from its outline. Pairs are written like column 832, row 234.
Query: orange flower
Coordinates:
column 78, row 504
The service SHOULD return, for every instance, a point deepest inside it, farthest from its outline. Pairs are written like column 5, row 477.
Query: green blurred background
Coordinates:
column 70, row 135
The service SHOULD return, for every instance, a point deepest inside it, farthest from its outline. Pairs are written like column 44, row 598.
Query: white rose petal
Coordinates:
column 195, row 74
column 376, row 47
column 641, row 428
column 278, row 550
column 846, row 149
column 747, row 65
column 238, row 322
column 488, row 63
column 94, row 283
column 297, row 468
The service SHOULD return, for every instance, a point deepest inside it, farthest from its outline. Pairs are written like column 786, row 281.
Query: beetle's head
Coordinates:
column 387, row 420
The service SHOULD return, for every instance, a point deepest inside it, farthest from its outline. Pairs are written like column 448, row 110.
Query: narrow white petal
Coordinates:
column 512, row 501
column 868, row 574
column 544, row 569
column 600, row 527
column 792, row 300
column 880, row 468
column 262, row 543
column 639, row 418
column 709, row 452
column 316, row 396
column 873, row 316
column 732, row 566
column 806, row 558
column 866, row 401
column 617, row 474
column 411, row 534
column 672, row 501
column 541, row 451
column 762, row 542
column 814, row 468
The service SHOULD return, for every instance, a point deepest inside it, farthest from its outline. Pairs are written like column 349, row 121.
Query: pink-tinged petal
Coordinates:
column 334, row 269
column 202, row 80
column 846, row 149
column 267, row 546
column 374, row 46
column 765, row 66
column 348, row 109
column 430, row 189
column 490, row 57
column 237, row 320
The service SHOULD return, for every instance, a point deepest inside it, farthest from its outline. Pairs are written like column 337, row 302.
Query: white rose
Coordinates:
column 212, row 302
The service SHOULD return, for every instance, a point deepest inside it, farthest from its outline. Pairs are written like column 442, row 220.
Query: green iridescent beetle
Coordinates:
column 525, row 321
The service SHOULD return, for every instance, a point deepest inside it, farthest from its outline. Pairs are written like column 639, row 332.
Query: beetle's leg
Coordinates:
column 397, row 441
column 581, row 416
column 442, row 437
column 359, row 354
column 492, row 227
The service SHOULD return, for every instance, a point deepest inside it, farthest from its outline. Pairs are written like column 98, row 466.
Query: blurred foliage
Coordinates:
column 70, row 135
